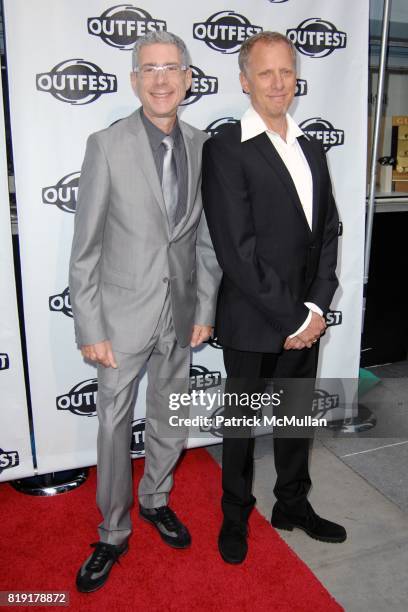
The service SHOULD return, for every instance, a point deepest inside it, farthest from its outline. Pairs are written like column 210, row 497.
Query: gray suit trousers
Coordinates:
column 168, row 371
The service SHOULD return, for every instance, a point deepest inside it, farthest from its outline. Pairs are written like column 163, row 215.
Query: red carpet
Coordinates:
column 43, row 541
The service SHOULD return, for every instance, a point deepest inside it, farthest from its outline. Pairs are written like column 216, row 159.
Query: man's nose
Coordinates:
column 277, row 81
column 161, row 75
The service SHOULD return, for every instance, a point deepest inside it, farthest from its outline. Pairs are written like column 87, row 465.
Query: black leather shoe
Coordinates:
column 170, row 528
column 94, row 572
column 315, row 526
column 232, row 541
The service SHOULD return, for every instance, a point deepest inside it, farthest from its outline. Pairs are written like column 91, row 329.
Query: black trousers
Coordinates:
column 246, row 373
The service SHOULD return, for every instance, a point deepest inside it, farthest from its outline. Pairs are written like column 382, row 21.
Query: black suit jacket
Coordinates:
column 272, row 262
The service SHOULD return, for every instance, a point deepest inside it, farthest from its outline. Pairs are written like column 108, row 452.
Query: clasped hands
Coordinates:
column 308, row 336
column 101, row 352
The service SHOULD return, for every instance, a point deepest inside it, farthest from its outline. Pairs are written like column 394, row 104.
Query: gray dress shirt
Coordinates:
column 155, row 136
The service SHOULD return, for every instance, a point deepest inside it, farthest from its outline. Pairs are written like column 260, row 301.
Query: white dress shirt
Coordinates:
column 294, row 159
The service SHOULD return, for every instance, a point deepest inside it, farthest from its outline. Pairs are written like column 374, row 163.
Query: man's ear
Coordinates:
column 244, row 82
column 189, row 78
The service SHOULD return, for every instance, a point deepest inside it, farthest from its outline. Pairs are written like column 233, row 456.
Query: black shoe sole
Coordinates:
column 163, row 537
column 291, row 526
column 102, row 583
column 231, row 560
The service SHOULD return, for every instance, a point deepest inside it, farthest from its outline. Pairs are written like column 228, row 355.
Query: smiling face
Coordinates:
column 162, row 92
column 270, row 80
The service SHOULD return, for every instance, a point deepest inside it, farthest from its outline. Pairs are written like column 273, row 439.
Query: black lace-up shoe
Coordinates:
column 311, row 523
column 232, row 541
column 94, row 572
column 171, row 530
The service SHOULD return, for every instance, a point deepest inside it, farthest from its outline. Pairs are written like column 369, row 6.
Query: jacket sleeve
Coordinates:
column 227, row 206
column 325, row 282
column 84, row 269
column 208, row 275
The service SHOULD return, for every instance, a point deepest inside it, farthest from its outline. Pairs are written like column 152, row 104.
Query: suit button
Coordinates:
column 165, row 279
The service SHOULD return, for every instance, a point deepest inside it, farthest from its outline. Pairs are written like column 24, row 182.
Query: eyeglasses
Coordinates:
column 151, row 70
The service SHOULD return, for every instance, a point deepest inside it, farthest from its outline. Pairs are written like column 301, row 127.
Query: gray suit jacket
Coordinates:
column 123, row 257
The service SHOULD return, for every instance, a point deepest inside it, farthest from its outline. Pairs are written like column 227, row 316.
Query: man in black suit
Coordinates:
column 274, row 225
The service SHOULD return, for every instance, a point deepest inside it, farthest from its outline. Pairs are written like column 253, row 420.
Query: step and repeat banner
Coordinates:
column 15, row 449
column 68, row 64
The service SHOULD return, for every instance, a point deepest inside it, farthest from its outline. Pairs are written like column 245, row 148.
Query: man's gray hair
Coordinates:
column 268, row 37
column 164, row 38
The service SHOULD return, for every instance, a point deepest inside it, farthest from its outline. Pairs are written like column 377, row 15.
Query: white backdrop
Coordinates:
column 68, row 65
column 15, row 449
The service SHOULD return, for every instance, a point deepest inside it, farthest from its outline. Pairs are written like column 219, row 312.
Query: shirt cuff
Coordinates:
column 303, row 326
column 314, row 308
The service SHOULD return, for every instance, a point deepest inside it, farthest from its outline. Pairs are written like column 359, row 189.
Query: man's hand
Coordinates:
column 101, row 352
column 313, row 331
column 201, row 333
column 308, row 336
column 294, row 344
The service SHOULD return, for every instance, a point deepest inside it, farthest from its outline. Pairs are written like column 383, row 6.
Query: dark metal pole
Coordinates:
column 376, row 137
column 364, row 419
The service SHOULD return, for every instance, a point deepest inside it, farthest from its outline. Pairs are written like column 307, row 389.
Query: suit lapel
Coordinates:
column 146, row 162
column 308, row 152
column 268, row 151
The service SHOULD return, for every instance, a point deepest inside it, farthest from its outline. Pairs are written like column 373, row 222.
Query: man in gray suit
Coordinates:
column 143, row 284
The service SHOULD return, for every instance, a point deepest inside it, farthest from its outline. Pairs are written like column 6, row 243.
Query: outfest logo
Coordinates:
column 323, row 131
column 81, row 399
column 225, row 31
column 334, row 317
column 76, row 81
column 202, row 85
column 120, row 26
column 301, row 88
column 323, row 402
column 219, row 124
column 4, row 361
column 137, row 446
column 8, row 459
column 202, row 378
column 61, row 303
column 317, row 38
column 64, row 193
column 213, row 342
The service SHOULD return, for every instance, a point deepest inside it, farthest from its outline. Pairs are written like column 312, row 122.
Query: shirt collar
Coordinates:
column 155, row 135
column 252, row 125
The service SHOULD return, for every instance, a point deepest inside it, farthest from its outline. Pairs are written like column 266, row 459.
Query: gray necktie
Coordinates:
column 169, row 181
